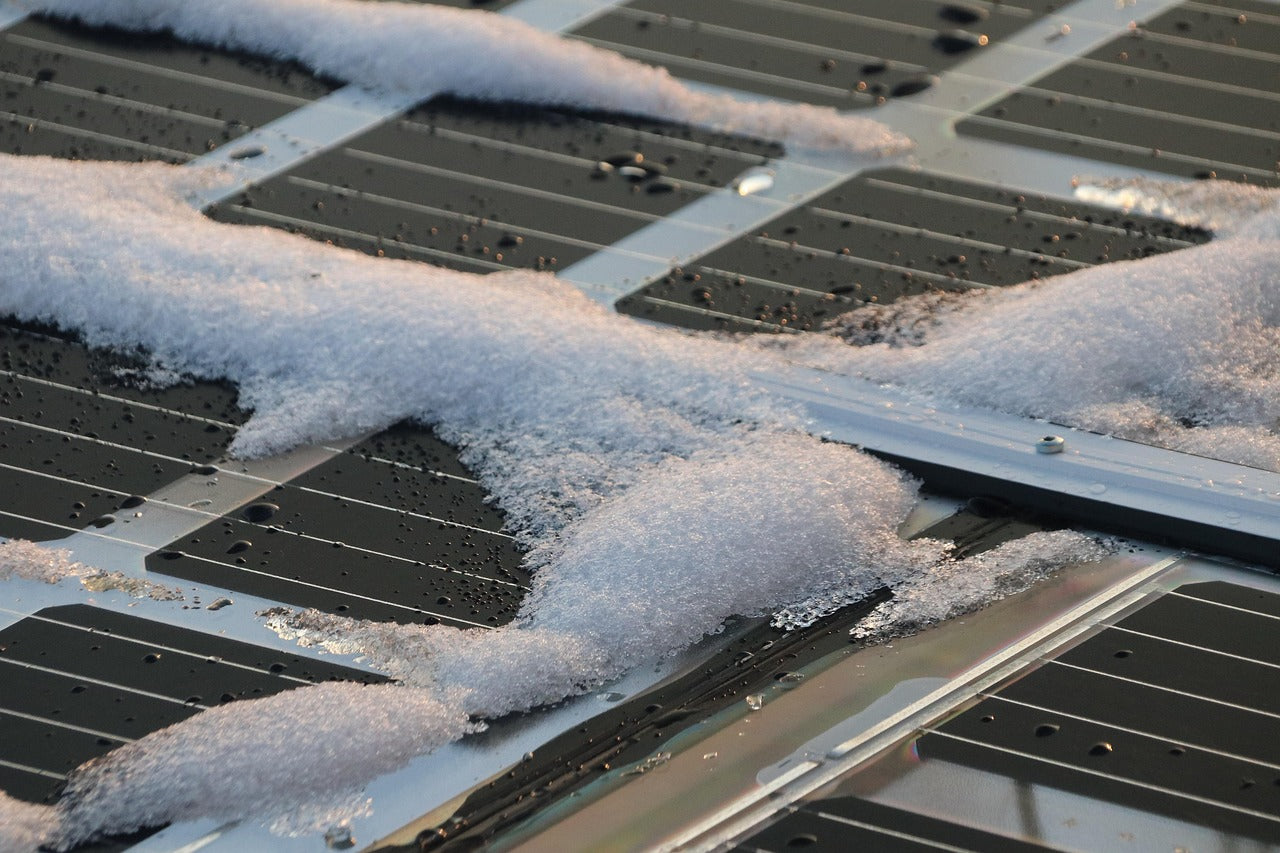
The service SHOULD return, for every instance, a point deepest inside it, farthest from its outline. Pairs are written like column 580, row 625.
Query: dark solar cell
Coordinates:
column 888, row 234
column 482, row 187
column 368, row 535
column 1191, row 92
column 79, row 681
column 851, row 823
column 820, row 51
column 77, row 437
column 488, row 5
column 1172, row 711
column 100, row 93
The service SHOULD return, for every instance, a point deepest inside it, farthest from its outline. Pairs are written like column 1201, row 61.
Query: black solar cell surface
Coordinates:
column 378, row 533
column 1191, row 92
column 77, row 681
column 829, row 52
column 76, row 439
column 1173, row 710
column 481, row 187
column 843, row 824
column 892, row 233
column 96, row 93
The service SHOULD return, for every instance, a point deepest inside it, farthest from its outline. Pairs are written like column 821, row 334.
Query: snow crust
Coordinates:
column 955, row 588
column 423, row 48
column 24, row 560
column 1180, row 350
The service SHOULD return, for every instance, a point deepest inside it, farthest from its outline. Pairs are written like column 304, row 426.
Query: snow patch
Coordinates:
column 472, row 54
column 1181, row 349
column 1219, row 206
column 296, row 750
column 28, row 561
column 957, row 587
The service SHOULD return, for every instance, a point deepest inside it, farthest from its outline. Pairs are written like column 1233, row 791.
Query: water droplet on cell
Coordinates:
column 958, row 41
column 339, row 837
column 1047, row 729
column 789, row 679
column 1097, row 488
column 260, row 512
column 132, row 501
column 1101, row 748
column 662, row 185
column 624, row 158
column 151, row 658
column 913, row 85
column 104, row 521
column 957, row 13
column 207, row 470
column 613, row 696
column 239, row 545
column 633, row 173
column 755, row 182
column 755, row 701
column 219, row 604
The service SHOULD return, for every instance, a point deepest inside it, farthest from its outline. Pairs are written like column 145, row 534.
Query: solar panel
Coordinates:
column 392, row 527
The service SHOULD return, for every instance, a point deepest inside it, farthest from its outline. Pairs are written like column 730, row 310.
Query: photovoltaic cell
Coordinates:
column 817, row 51
column 1191, row 92
column 79, row 681
column 98, row 93
column 1172, row 710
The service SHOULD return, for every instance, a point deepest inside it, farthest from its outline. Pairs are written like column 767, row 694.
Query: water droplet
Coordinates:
column 104, row 521
column 151, row 658
column 612, row 696
column 962, row 14
column 958, row 41
column 339, row 837
column 206, row 470
column 247, row 152
column 132, row 501
column 755, row 701
column 1097, row 488
column 755, row 182
column 1047, row 729
column 239, row 545
column 789, row 679
column 662, row 185
column 260, row 512
column 913, row 85
column 1101, row 748
column 220, row 603
column 633, row 173
column 706, row 756
column 624, row 158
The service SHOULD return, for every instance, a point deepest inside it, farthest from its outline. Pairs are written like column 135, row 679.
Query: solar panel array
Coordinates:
column 395, row 528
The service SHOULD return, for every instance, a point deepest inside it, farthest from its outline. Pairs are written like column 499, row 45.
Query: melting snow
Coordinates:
column 1180, row 349
column 473, row 54
column 659, row 492
column 29, row 561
